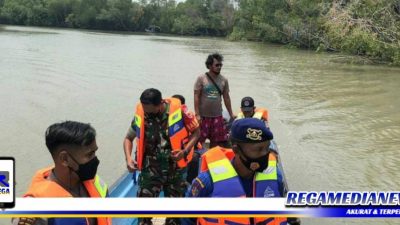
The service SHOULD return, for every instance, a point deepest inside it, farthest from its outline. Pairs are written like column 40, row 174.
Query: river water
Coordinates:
column 337, row 125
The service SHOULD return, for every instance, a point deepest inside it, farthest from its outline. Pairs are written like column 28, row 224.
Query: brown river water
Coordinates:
column 337, row 125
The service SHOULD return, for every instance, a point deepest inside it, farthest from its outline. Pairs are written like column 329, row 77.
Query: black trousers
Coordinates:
column 193, row 167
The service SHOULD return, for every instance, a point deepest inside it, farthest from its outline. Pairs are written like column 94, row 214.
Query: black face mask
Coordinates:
column 153, row 115
column 262, row 161
column 88, row 170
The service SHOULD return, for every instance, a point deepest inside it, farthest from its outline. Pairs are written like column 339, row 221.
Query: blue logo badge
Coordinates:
column 4, row 179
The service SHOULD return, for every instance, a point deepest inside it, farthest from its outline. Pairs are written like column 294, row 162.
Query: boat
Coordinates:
column 126, row 187
column 153, row 29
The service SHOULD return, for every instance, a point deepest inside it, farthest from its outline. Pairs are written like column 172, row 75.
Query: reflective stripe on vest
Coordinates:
column 259, row 113
column 177, row 132
column 96, row 187
column 240, row 115
column 270, row 173
column 265, row 183
column 221, row 170
column 223, row 174
column 41, row 187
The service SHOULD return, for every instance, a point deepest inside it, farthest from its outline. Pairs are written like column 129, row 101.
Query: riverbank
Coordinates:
column 342, row 57
column 370, row 29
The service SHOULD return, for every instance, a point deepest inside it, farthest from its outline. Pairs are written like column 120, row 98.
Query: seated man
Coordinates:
column 248, row 110
column 250, row 171
column 73, row 147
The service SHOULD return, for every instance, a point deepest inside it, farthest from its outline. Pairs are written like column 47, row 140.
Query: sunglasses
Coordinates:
column 218, row 65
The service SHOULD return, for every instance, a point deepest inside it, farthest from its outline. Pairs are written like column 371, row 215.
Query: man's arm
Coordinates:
column 227, row 101
column 198, row 86
column 193, row 139
column 201, row 186
column 192, row 126
column 128, row 145
column 197, row 94
column 29, row 221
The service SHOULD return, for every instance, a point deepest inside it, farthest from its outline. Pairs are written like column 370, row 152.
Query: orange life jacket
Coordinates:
column 218, row 159
column 197, row 146
column 259, row 113
column 178, row 135
column 41, row 187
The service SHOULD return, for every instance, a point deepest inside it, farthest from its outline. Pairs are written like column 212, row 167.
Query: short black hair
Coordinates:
column 151, row 96
column 211, row 57
column 70, row 133
column 180, row 97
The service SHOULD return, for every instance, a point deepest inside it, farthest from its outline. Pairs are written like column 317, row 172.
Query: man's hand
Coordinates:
column 293, row 221
column 198, row 117
column 131, row 165
column 26, row 221
column 177, row 155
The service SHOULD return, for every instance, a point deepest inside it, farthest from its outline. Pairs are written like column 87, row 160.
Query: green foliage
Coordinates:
column 59, row 11
column 184, row 25
column 204, row 17
column 237, row 34
column 118, row 15
column 24, row 12
column 365, row 27
column 361, row 27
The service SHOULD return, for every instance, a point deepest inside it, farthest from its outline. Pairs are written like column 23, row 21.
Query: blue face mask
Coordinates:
column 262, row 161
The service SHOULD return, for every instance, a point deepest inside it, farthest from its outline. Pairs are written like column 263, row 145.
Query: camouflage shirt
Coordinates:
column 157, row 143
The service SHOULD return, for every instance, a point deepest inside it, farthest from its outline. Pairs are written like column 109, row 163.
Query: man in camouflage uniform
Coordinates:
column 159, row 168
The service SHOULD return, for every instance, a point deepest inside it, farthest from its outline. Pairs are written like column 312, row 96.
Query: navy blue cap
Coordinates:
column 247, row 104
column 250, row 130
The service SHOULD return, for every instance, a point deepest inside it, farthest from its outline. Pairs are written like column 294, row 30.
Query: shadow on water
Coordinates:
column 15, row 30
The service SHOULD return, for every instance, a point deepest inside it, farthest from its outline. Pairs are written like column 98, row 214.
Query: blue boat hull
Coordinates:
column 124, row 187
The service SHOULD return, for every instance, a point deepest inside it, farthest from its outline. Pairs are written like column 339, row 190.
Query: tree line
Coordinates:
column 361, row 27
column 193, row 17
